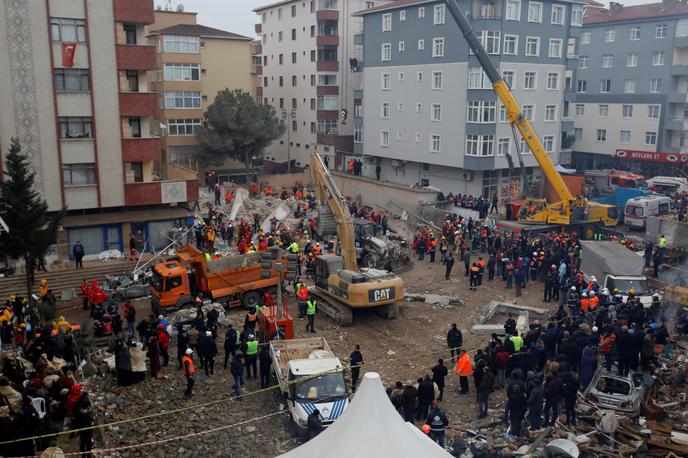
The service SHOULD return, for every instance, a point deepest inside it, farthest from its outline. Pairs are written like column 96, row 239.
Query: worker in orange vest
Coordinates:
column 585, row 302
column 188, row 370
column 268, row 191
column 594, row 301
column 253, row 190
column 228, row 198
column 464, row 369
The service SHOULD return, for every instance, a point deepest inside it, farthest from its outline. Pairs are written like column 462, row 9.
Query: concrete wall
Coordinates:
column 164, row 19
column 227, row 64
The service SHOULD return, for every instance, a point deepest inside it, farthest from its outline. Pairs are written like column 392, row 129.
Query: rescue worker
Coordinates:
column 473, row 279
column 662, row 242
column 464, row 369
column 584, row 302
column 573, row 301
column 311, row 307
column 594, row 301
column 188, row 370
column 251, row 358
column 251, row 320
column 302, row 298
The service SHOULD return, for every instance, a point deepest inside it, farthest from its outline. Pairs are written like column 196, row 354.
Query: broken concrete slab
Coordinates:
column 498, row 328
column 433, row 299
column 523, row 313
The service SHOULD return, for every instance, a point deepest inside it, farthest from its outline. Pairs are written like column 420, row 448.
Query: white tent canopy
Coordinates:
column 370, row 426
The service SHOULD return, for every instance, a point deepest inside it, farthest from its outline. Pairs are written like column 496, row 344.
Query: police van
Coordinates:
column 639, row 208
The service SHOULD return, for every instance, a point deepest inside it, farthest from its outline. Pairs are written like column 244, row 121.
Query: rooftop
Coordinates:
column 392, row 5
column 636, row 12
column 197, row 30
column 272, row 5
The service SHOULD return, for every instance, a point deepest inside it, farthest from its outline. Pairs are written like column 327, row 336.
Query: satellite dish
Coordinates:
column 158, row 8
column 180, row 8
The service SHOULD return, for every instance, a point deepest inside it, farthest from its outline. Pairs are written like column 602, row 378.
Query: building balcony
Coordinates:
column 478, row 162
column 257, row 50
column 135, row 57
column 340, row 142
column 327, row 114
column 327, row 90
column 677, row 97
column 141, row 149
column 160, row 192
column 679, row 70
column 358, row 148
column 258, row 28
column 358, row 39
column 259, row 92
column 138, row 104
column 567, row 124
column 676, row 124
column 327, row 66
column 257, row 69
column 327, row 40
column 327, row 15
column 681, row 42
column 133, row 11
column 358, row 93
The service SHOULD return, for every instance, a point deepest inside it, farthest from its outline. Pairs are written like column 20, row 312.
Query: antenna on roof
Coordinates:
column 180, row 8
column 168, row 5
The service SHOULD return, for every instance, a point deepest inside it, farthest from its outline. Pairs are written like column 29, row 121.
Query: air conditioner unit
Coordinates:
column 467, row 176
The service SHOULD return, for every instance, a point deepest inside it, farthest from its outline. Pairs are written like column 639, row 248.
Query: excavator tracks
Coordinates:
column 340, row 313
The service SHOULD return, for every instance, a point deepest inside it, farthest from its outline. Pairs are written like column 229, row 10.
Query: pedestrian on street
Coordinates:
column 237, row 370
column 438, row 422
column 464, row 369
column 264, row 364
column 78, row 254
column 448, row 265
column 311, row 308
column 454, row 340
column 439, row 372
column 355, row 362
column 188, row 370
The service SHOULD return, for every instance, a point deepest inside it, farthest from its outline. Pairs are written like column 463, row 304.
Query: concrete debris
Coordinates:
column 433, row 299
column 522, row 312
column 562, row 447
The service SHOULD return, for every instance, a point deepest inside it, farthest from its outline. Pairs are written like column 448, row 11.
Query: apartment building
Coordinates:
column 311, row 67
column 75, row 91
column 427, row 113
column 194, row 63
column 632, row 86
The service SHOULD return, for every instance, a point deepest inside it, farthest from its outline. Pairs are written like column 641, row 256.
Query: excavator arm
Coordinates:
column 327, row 192
column 514, row 112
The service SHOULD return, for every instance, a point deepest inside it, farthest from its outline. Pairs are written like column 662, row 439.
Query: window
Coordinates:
column 400, row 106
column 71, row 80
column 402, row 15
column 605, row 86
column 79, row 174
column 386, row 52
column 477, row 79
column 508, row 76
column 331, row 103
column 384, row 110
column 479, row 145
column 75, row 127
column 609, row 35
column 655, row 85
column 437, row 47
column 279, row 13
column 182, row 99
column 529, row 80
column 682, row 28
column 578, row 133
column 280, row 59
column 503, row 147
column 580, row 109
column 132, row 77
column 421, row 12
column 529, row 112
column 419, row 76
column 312, row 79
column 601, row 135
column 434, row 143
column 650, row 138
column 583, row 62
column 421, row 45
column 490, row 40
column 577, row 15
column 603, row 110
column 554, row 48
column 181, row 44
column 629, row 86
column 183, row 127
column 129, row 34
column 385, row 81
column 135, row 126
column 401, row 76
column 625, row 136
column 581, row 86
column 313, row 55
column 438, row 15
column 384, row 138
column 548, row 143
column 552, row 81
column 358, row 135
column 523, row 146
column 513, row 10
column 558, row 14
column 436, row 80
column 627, row 111
column 634, row 34
column 511, row 44
column 182, row 72
column 358, row 109
column 532, row 46
column 402, row 46
column 653, row 111
column 662, row 31
column 550, row 113
column 607, row 61
column 632, row 59
column 585, row 38
column 534, row 12
column 279, row 36
column 293, row 10
column 419, row 108
column 327, row 80
column 293, row 58
column 293, row 80
column 657, row 58
column 387, row 22
column 481, row 112
column 327, row 126
column 419, row 137
column 502, row 113
column 63, row 29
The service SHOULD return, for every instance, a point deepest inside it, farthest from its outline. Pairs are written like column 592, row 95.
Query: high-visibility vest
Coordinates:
column 251, row 347
column 192, row 369
column 310, row 310
column 585, row 304
column 517, row 341
column 594, row 302
column 662, row 243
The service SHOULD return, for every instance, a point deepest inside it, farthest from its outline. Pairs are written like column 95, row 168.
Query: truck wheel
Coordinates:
column 588, row 232
column 370, row 260
column 250, row 299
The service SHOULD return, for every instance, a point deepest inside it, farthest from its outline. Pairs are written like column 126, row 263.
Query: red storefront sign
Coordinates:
column 651, row 156
column 68, row 52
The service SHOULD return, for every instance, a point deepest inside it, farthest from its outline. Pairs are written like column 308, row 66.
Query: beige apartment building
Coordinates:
column 194, row 63
column 75, row 90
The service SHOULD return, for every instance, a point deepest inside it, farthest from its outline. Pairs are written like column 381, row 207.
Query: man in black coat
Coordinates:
column 231, row 343
column 454, row 339
column 208, row 350
column 264, row 363
column 439, row 372
column 355, row 362
column 78, row 254
column 426, row 394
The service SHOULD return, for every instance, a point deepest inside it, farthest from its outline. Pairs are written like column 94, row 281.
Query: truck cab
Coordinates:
column 170, row 286
column 625, row 283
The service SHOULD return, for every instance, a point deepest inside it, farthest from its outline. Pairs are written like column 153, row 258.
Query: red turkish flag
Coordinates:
column 68, row 52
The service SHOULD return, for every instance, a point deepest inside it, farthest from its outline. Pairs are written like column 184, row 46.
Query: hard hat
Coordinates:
column 584, row 294
column 553, row 266
column 573, row 288
column 655, row 295
column 208, row 333
column 542, row 252
column 592, row 278
column 425, row 429
column 616, row 290
column 250, row 336
column 189, row 351
column 592, row 293
column 534, row 253
column 631, row 291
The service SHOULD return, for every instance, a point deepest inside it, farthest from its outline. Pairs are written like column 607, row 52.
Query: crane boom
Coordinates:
column 513, row 109
column 326, row 191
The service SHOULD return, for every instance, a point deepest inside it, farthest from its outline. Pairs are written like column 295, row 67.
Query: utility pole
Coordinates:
column 291, row 116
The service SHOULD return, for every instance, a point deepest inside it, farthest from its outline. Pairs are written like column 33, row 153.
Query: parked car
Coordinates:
column 608, row 390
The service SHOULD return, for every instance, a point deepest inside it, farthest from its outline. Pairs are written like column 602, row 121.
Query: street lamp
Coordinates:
column 292, row 117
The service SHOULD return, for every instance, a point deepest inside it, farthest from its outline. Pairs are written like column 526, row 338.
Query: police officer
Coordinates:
column 437, row 421
column 311, row 306
column 251, row 356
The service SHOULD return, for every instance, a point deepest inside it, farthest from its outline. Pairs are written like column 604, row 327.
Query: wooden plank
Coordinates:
column 667, row 445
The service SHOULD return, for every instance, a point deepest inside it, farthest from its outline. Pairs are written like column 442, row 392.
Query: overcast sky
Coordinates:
column 237, row 15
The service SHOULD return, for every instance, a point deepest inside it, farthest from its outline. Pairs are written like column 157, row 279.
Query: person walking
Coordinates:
column 355, row 362
column 311, row 308
column 485, row 388
column 464, row 369
column 188, row 370
column 78, row 254
column 237, row 370
column 454, row 339
column 448, row 264
column 264, row 364
column 438, row 422
column 439, row 372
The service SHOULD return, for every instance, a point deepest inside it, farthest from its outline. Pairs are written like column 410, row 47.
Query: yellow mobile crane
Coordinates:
column 569, row 211
column 339, row 283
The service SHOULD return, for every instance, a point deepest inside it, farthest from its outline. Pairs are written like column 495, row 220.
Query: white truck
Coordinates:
column 615, row 266
column 310, row 376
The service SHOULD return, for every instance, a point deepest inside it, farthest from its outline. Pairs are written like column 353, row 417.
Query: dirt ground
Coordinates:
column 399, row 349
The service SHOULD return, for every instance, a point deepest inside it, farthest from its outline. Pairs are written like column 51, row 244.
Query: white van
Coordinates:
column 668, row 185
column 639, row 208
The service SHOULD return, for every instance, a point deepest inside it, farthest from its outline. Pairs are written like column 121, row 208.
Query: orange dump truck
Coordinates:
column 236, row 280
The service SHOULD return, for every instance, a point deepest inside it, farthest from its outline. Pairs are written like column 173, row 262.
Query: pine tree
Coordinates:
column 32, row 228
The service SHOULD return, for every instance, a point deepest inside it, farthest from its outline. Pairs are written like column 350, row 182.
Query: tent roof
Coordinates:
column 370, row 426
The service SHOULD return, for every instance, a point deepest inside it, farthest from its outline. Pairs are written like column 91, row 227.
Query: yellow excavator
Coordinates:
column 340, row 285
column 570, row 212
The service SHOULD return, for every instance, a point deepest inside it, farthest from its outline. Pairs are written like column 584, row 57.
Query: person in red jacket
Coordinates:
column 93, row 288
column 164, row 342
column 84, row 294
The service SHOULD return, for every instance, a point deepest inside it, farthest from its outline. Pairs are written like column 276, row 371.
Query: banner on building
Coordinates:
column 68, row 53
column 651, row 156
